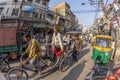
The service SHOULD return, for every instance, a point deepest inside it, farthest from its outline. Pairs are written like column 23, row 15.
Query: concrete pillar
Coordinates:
column 117, row 46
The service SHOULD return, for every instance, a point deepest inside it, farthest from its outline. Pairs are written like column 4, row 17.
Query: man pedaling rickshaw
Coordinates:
column 33, row 50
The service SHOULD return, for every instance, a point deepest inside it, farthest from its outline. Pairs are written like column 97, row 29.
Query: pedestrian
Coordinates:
column 76, row 43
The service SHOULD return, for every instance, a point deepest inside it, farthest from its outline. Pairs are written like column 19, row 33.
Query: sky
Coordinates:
column 86, row 18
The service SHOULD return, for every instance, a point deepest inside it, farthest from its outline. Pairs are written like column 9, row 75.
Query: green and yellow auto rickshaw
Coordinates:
column 102, row 48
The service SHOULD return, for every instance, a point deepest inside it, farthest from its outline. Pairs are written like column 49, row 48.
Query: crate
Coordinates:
column 11, row 48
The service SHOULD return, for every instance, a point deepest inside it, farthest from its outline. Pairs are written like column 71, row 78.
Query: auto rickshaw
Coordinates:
column 102, row 48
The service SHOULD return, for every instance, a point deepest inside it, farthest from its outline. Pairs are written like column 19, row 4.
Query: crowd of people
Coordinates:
column 34, row 49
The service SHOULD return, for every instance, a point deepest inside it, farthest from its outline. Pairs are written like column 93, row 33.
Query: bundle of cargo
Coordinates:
column 8, row 41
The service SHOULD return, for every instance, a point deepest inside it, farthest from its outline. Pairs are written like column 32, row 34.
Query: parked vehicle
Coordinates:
column 97, row 72
column 114, row 74
column 102, row 48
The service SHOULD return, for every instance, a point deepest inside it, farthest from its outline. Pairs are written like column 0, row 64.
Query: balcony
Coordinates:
column 9, row 17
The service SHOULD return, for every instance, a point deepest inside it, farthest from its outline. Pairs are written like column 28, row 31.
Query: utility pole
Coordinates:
column 104, row 8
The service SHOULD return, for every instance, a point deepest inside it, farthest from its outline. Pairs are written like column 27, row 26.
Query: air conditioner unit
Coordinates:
column 15, row 0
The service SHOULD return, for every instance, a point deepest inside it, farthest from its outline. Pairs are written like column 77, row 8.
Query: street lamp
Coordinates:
column 93, row 3
column 85, row 3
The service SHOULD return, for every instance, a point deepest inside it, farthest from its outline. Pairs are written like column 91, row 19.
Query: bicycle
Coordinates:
column 113, row 74
column 65, row 63
column 4, row 64
column 64, row 60
column 19, row 73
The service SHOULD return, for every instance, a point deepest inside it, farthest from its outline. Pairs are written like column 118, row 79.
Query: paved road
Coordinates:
column 77, row 71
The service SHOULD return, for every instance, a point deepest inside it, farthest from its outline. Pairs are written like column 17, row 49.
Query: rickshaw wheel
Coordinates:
column 65, row 64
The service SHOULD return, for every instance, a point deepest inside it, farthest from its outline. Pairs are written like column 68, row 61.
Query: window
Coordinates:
column 30, row 0
column 43, row 16
column 15, row 11
column 103, row 42
column 37, row 1
column 44, row 3
column 26, row 14
column 35, row 15
column 7, row 10
column 1, row 9
column 40, row 16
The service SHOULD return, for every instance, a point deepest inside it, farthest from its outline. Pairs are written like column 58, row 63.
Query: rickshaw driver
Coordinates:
column 33, row 50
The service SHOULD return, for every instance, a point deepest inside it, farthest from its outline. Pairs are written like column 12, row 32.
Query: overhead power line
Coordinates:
column 86, row 11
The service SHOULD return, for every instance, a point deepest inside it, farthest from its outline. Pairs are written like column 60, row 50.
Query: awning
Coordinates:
column 38, row 26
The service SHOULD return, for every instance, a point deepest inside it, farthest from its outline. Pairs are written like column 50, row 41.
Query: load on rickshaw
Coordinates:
column 102, row 48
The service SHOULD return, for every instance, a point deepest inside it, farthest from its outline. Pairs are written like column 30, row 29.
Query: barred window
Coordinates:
column 15, row 11
column 1, row 9
column 37, row 1
column 30, row 0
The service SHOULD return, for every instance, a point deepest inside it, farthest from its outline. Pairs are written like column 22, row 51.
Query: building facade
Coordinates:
column 28, row 13
column 68, row 17
column 28, row 16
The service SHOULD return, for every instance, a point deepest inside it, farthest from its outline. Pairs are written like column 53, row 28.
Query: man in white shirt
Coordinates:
column 66, row 39
column 56, row 41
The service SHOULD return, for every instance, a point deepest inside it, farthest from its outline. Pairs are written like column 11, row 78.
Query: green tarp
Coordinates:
column 38, row 26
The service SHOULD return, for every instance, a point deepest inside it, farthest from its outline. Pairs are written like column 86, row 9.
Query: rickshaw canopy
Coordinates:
column 102, row 48
column 73, row 32
column 104, row 36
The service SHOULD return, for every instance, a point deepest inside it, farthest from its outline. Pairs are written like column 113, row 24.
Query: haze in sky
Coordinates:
column 86, row 18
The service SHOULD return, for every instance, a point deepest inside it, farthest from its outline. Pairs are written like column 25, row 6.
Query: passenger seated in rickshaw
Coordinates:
column 57, row 44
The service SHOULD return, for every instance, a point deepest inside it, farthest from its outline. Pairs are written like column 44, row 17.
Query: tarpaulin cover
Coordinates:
column 8, row 36
column 28, row 8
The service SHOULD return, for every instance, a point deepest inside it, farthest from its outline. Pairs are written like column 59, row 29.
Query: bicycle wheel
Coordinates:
column 65, row 64
column 17, row 74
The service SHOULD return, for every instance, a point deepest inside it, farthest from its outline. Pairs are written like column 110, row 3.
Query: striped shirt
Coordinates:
column 34, row 49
